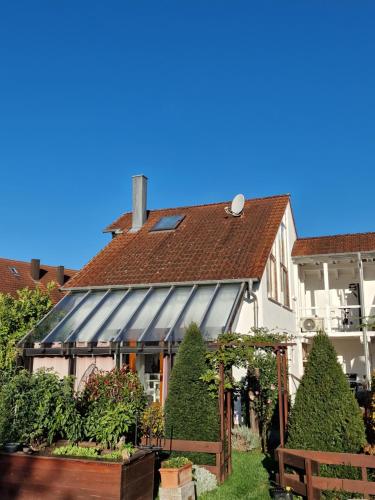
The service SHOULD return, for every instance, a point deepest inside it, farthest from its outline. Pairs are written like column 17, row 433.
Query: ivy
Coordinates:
column 18, row 315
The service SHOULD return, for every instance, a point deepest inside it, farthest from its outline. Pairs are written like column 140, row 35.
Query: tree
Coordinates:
column 18, row 315
column 191, row 411
column 325, row 415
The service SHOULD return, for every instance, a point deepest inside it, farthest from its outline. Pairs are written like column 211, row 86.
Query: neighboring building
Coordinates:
column 165, row 268
column 336, row 292
column 17, row 274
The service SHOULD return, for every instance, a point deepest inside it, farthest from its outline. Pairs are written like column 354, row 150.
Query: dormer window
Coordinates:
column 168, row 223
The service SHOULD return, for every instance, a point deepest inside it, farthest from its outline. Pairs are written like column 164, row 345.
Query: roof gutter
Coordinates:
column 164, row 284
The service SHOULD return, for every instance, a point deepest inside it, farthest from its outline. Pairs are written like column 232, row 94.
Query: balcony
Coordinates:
column 336, row 321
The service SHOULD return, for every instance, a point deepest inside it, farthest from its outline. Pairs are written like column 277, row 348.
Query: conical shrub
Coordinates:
column 325, row 415
column 190, row 410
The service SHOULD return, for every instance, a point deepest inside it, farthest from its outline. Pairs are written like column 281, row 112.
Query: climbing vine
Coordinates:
column 17, row 316
column 260, row 362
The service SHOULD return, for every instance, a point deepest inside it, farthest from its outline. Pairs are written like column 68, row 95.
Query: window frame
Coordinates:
column 272, row 278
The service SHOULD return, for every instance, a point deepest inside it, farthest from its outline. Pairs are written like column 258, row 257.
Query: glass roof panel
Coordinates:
column 219, row 311
column 168, row 222
column 87, row 332
column 59, row 312
column 194, row 311
column 169, row 314
column 67, row 327
column 146, row 314
column 122, row 315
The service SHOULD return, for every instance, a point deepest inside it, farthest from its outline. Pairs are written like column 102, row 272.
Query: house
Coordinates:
column 336, row 293
column 17, row 274
column 163, row 269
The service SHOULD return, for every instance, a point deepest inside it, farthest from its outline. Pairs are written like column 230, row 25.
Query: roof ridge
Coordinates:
column 284, row 195
column 335, row 235
column 5, row 259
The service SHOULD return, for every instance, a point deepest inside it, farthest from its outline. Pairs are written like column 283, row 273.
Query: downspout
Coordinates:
column 363, row 324
column 256, row 304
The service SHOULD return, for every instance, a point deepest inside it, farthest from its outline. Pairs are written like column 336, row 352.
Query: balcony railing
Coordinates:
column 335, row 319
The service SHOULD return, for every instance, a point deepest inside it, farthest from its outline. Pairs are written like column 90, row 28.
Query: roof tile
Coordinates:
column 340, row 243
column 208, row 244
column 10, row 282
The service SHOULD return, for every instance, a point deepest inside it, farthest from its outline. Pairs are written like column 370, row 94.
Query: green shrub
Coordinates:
column 175, row 463
column 37, row 408
column 190, row 410
column 112, row 402
column 153, row 421
column 325, row 415
column 18, row 315
column 16, row 410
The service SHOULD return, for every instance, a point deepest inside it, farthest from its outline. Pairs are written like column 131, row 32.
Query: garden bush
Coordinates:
column 191, row 412
column 112, row 402
column 18, row 315
column 245, row 439
column 325, row 415
column 370, row 423
column 38, row 408
column 153, row 421
column 204, row 480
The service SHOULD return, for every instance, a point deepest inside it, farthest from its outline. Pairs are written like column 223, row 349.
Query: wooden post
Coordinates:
column 285, row 389
column 364, row 478
column 222, row 422
column 281, row 417
column 281, row 467
column 229, row 430
column 309, row 486
column 161, row 372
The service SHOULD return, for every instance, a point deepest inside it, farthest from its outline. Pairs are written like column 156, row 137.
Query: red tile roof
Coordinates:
column 11, row 282
column 208, row 244
column 340, row 243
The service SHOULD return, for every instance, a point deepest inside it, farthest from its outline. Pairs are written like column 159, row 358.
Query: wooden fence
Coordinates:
column 306, row 464
column 213, row 447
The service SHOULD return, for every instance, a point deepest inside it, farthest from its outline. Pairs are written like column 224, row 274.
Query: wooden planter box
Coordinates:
column 174, row 478
column 31, row 477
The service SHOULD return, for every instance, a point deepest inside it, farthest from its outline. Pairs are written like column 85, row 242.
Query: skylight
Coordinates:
column 168, row 222
column 14, row 271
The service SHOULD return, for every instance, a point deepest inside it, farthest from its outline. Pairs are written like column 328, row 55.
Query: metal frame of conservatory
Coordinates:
column 213, row 306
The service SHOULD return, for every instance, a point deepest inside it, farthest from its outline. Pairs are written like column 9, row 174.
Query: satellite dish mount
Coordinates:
column 237, row 205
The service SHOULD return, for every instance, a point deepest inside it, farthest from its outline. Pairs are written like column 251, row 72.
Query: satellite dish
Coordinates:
column 237, row 205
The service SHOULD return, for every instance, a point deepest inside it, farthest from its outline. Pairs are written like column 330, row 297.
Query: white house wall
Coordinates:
column 272, row 315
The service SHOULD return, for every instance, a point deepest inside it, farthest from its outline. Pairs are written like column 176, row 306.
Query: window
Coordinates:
column 167, row 223
column 284, row 279
column 283, row 257
column 14, row 271
column 272, row 277
column 284, row 285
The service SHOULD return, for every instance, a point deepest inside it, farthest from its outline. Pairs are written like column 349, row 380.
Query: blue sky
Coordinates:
column 207, row 98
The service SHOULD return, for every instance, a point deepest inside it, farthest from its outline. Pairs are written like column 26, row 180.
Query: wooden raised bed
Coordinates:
column 34, row 477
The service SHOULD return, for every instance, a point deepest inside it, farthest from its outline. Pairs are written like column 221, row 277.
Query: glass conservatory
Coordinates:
column 139, row 326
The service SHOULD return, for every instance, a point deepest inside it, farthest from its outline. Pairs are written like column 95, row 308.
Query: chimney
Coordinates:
column 139, row 202
column 60, row 275
column 35, row 269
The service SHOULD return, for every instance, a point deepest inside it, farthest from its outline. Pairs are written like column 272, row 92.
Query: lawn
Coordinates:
column 248, row 480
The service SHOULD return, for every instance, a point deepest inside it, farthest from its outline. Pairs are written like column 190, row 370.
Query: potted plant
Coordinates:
column 176, row 472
